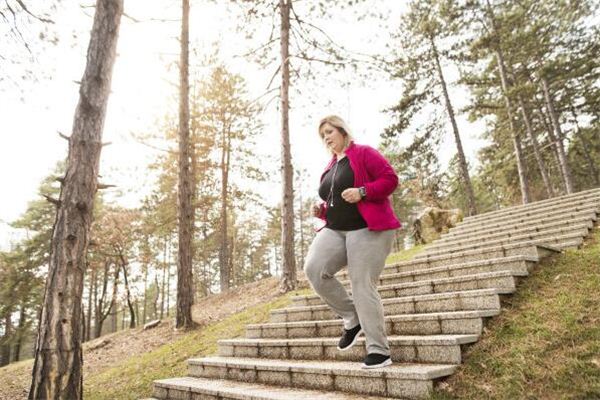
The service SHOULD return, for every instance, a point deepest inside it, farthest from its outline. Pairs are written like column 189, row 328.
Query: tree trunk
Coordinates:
column 57, row 369
column 114, row 321
column 461, row 154
column 185, row 284
column 88, row 326
column 20, row 332
column 137, row 312
column 168, row 266
column 163, row 282
column 113, row 303
column 288, row 275
column 301, row 228
column 521, row 168
column 558, row 139
column 543, row 118
column 5, row 340
column 101, row 315
column 585, row 145
column 536, row 149
column 225, row 277
column 551, row 137
column 145, row 293
column 156, row 296
column 124, row 264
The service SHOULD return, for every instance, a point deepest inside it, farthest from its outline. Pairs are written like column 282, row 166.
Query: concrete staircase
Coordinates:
column 435, row 305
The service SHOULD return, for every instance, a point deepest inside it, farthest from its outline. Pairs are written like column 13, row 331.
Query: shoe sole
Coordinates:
column 353, row 342
column 383, row 364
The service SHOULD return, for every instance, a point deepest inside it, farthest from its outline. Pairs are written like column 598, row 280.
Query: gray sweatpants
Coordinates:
column 364, row 252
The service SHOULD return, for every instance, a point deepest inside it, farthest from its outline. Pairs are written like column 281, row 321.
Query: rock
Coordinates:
column 152, row 324
column 100, row 344
column 433, row 221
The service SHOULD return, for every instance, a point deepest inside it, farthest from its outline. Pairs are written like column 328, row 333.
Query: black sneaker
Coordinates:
column 376, row 360
column 349, row 338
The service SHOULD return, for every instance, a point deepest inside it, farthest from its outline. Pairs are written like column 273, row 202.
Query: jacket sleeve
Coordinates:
column 384, row 177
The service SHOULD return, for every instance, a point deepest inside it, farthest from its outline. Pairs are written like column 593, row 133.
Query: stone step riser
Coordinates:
column 416, row 265
column 548, row 208
column 400, row 352
column 590, row 215
column 375, row 385
column 565, row 226
column 487, row 254
column 412, row 306
column 417, row 269
column 525, row 249
column 189, row 388
column 572, row 241
column 504, row 284
column 549, row 238
column 594, row 193
column 394, row 325
column 519, row 222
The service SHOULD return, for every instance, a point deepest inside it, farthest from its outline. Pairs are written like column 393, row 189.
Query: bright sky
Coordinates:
column 144, row 88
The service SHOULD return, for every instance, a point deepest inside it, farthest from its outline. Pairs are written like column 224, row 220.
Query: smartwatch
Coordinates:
column 363, row 191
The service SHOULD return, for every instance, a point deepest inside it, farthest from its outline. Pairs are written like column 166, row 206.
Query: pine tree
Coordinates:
column 57, row 369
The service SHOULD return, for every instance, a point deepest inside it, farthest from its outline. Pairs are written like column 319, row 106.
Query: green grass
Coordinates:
column 546, row 342
column 544, row 345
column 405, row 254
column 132, row 378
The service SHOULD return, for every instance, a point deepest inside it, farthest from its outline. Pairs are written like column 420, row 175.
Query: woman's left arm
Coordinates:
column 385, row 178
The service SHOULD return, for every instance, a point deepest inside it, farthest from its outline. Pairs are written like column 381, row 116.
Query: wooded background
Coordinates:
column 527, row 70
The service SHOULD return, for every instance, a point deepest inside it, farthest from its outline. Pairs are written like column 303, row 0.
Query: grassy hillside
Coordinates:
column 544, row 345
column 546, row 342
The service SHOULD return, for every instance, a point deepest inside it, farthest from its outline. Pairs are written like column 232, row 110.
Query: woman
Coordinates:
column 359, row 232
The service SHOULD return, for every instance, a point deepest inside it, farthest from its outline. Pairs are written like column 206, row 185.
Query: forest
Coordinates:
column 522, row 77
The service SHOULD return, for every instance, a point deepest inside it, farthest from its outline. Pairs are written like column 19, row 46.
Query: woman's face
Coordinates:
column 333, row 138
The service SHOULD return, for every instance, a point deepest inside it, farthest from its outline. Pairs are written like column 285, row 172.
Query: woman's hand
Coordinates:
column 316, row 210
column 351, row 195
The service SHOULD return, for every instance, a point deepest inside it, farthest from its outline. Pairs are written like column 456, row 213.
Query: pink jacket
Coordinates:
column 375, row 173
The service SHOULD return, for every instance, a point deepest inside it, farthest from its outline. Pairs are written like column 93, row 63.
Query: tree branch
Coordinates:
column 52, row 200
column 104, row 186
column 24, row 7
column 62, row 135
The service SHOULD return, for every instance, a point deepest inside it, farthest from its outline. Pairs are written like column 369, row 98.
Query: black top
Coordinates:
column 341, row 215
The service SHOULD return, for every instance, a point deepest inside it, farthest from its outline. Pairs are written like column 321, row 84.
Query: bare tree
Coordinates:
column 57, row 369
column 185, row 294
column 288, row 276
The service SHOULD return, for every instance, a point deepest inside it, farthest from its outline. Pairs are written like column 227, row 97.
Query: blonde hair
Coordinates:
column 341, row 125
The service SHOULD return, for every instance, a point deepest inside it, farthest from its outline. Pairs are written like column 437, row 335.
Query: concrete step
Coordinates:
column 221, row 389
column 441, row 349
column 550, row 210
column 535, row 205
column 468, row 300
column 454, row 322
column 525, row 218
column 410, row 381
column 559, row 237
column 528, row 248
column 534, row 250
column 421, row 268
column 503, row 281
column 493, row 228
column 533, row 229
